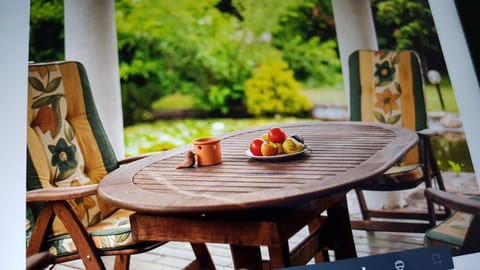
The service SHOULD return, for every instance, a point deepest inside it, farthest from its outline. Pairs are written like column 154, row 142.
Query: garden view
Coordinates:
column 240, row 63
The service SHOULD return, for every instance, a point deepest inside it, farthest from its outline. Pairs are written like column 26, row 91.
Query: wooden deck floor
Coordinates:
column 175, row 255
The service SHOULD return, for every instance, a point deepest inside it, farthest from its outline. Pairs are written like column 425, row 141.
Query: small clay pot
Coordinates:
column 208, row 151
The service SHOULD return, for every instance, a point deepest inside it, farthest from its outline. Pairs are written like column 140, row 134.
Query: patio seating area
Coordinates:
column 175, row 255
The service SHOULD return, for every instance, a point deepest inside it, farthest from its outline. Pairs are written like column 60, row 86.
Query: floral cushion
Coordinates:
column 113, row 232
column 66, row 143
column 387, row 87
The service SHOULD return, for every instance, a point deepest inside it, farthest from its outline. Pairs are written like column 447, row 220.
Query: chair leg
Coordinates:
column 431, row 213
column 470, row 244
column 362, row 203
column 85, row 246
column 321, row 255
column 325, row 256
column 434, row 172
column 39, row 234
column 122, row 262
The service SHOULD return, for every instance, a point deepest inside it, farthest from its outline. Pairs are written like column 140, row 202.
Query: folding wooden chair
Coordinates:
column 387, row 87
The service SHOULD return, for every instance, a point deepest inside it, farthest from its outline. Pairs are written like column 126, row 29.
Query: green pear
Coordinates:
column 290, row 146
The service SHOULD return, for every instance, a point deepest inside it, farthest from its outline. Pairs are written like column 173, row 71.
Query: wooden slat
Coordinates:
column 342, row 154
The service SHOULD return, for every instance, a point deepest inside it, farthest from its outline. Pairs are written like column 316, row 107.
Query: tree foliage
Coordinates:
column 194, row 48
column 307, row 39
column 46, row 31
column 209, row 48
column 403, row 24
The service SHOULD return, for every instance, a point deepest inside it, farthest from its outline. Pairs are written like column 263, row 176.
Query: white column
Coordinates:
column 91, row 38
column 462, row 73
column 14, row 27
column 355, row 30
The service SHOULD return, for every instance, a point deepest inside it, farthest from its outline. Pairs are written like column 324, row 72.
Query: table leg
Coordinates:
column 246, row 257
column 279, row 256
column 203, row 256
column 339, row 222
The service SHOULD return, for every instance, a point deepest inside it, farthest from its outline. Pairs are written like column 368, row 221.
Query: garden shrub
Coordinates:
column 273, row 90
column 314, row 62
column 137, row 101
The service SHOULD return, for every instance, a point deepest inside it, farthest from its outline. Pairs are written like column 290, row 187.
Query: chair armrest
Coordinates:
column 427, row 133
column 453, row 201
column 61, row 193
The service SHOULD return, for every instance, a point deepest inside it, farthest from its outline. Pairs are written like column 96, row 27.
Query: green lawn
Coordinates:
column 336, row 95
column 433, row 100
column 330, row 95
column 174, row 101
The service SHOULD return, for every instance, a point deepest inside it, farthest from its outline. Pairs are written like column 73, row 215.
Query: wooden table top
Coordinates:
column 342, row 155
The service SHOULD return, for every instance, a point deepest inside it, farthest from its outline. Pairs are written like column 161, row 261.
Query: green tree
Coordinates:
column 192, row 47
column 408, row 24
column 307, row 39
column 46, row 31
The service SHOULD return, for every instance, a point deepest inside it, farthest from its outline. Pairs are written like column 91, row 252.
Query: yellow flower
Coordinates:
column 387, row 101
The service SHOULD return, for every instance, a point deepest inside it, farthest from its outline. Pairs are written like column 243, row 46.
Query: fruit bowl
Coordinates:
column 281, row 157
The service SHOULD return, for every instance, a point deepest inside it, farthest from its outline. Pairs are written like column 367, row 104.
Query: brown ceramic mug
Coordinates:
column 208, row 151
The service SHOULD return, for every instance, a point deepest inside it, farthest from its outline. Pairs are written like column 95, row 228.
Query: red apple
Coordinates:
column 256, row 146
column 269, row 149
column 276, row 135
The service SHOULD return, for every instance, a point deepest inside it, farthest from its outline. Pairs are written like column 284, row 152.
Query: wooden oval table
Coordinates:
column 249, row 203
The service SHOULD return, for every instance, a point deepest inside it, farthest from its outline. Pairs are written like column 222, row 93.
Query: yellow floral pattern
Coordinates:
column 387, row 105
column 49, row 122
column 56, row 157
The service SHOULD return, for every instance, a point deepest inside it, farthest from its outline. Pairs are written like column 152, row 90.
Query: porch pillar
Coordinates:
column 14, row 26
column 462, row 73
column 91, row 38
column 355, row 30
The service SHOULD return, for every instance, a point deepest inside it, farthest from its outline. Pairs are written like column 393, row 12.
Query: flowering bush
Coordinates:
column 272, row 90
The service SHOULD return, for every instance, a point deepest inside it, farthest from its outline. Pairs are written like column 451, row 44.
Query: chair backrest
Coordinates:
column 67, row 144
column 387, row 87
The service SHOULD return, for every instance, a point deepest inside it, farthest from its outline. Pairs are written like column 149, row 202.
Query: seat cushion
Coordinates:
column 452, row 230
column 112, row 232
column 397, row 178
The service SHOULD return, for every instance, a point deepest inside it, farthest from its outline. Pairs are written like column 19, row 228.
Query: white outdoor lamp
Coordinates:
column 435, row 79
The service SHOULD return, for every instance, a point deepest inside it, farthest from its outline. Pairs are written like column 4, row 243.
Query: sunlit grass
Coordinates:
column 432, row 98
column 174, row 101
column 331, row 95
column 336, row 95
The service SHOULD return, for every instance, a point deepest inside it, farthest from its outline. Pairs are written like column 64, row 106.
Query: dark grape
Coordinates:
column 298, row 138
